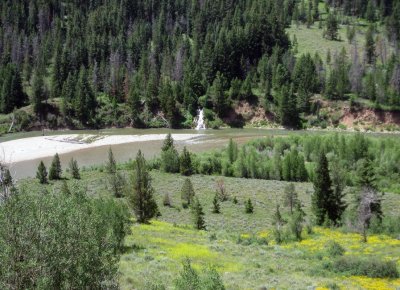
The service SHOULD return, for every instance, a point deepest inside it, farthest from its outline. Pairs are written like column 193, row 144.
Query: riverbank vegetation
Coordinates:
column 158, row 64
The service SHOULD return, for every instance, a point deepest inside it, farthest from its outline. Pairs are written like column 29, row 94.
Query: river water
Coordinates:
column 206, row 140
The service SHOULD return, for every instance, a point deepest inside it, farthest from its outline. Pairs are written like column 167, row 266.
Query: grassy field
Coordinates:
column 311, row 40
column 239, row 245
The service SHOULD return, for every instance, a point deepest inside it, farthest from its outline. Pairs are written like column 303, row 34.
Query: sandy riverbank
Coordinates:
column 45, row 146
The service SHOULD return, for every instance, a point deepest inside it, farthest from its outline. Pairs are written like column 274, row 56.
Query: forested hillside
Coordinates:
column 154, row 63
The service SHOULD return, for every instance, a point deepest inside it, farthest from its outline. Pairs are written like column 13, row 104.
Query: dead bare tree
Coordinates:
column 368, row 199
column 6, row 183
column 221, row 190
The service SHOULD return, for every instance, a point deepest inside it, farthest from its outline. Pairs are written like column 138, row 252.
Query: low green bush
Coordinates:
column 334, row 249
column 370, row 267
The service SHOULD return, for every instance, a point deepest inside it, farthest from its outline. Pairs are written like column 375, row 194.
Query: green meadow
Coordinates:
column 240, row 246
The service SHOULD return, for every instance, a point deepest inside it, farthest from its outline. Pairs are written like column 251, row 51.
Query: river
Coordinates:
column 206, row 140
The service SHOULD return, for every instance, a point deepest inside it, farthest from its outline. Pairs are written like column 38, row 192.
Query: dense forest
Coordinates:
column 149, row 64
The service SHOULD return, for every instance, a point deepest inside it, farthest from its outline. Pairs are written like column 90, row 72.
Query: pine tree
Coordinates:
column 55, row 168
column 306, row 80
column 169, row 156
column 73, row 167
column 188, row 278
column 216, row 206
column 85, row 101
column 41, row 173
column 187, row 193
column 186, row 167
column 117, row 184
column 140, row 197
column 198, row 215
column 249, row 206
column 370, row 12
column 246, row 91
column 288, row 112
column 370, row 46
column 11, row 93
column 38, row 92
column 331, row 31
column 134, row 102
column 301, row 171
column 111, row 165
column 297, row 220
column 64, row 188
column 218, row 95
column 168, row 143
column 168, row 104
column 57, row 74
column 232, row 151
column 291, row 198
column 278, row 222
column 338, row 186
column 322, row 191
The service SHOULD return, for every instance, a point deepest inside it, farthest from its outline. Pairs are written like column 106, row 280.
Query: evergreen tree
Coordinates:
column 73, row 167
column 11, row 92
column 216, row 206
column 291, row 199
column 232, row 151
column 111, row 165
column 370, row 46
column 140, row 197
column 289, row 114
column 168, row 104
column 218, row 96
column 169, row 156
column 187, row 193
column 186, row 167
column 57, row 73
column 301, row 171
column 198, row 215
column 134, row 102
column 331, row 31
column 278, row 222
column 85, row 101
column 338, row 186
column 64, row 188
column 322, row 197
column 41, row 173
column 38, row 92
column 55, row 168
column 246, row 91
column 305, row 81
column 370, row 12
column 249, row 206
column 188, row 278
column 168, row 143
column 117, row 183
column 297, row 220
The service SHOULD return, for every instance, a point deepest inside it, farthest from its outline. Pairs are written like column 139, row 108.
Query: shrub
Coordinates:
column 249, row 206
column 167, row 200
column 189, row 278
column 371, row 267
column 73, row 167
column 334, row 249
